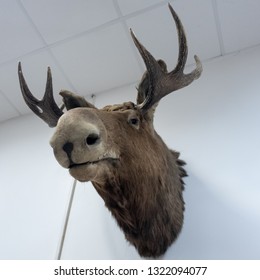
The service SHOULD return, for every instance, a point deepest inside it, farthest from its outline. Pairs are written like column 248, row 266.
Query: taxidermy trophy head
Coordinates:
column 117, row 149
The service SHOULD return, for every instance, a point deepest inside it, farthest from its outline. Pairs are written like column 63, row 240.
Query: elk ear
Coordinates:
column 144, row 87
column 72, row 100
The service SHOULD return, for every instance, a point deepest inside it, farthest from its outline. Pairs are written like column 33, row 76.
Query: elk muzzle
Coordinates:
column 79, row 139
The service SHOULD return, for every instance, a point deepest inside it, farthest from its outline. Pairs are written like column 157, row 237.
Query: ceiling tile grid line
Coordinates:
column 16, row 32
column 32, row 23
column 7, row 100
column 218, row 26
column 45, row 44
column 35, row 32
column 239, row 21
column 47, row 47
column 61, row 19
column 120, row 14
column 121, row 18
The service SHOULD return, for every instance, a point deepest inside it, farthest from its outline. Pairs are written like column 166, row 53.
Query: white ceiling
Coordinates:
column 87, row 42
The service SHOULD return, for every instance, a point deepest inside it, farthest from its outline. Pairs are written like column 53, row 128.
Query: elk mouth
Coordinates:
column 110, row 160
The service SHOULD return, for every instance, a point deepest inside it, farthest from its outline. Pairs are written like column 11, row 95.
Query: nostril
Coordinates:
column 68, row 147
column 92, row 139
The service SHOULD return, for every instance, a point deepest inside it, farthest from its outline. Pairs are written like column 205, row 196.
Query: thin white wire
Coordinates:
column 65, row 226
column 66, row 221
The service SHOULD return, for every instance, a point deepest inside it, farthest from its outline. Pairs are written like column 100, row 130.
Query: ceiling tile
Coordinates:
column 99, row 61
column 240, row 22
column 35, row 72
column 60, row 19
column 128, row 7
column 7, row 111
column 91, row 52
column 17, row 35
column 156, row 30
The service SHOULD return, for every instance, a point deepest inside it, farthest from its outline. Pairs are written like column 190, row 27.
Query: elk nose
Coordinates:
column 67, row 148
column 92, row 139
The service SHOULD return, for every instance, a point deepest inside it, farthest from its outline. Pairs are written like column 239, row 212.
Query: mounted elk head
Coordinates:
column 118, row 150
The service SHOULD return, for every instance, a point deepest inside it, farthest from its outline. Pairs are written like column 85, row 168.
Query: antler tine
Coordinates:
column 183, row 47
column 183, row 52
column 153, row 69
column 46, row 108
column 162, row 83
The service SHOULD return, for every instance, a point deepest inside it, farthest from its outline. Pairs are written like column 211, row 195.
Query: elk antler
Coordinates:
column 161, row 82
column 46, row 108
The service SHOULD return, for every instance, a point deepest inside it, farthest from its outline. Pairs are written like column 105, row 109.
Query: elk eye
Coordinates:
column 134, row 121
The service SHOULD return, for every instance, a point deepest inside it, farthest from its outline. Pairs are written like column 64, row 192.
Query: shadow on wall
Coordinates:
column 213, row 229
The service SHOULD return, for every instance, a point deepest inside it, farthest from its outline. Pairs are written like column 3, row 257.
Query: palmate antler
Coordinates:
column 161, row 82
column 46, row 108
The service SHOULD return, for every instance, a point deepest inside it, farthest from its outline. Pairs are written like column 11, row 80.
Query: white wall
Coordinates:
column 34, row 191
column 214, row 123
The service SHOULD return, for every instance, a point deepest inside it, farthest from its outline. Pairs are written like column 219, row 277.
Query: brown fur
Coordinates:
column 118, row 150
column 143, row 186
